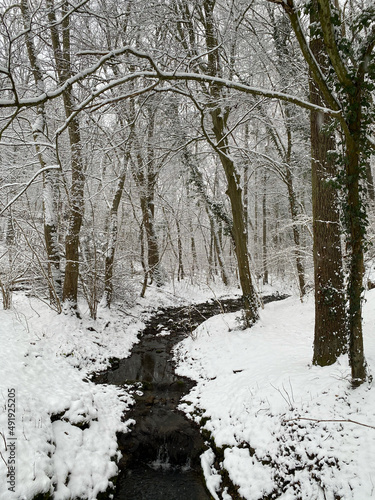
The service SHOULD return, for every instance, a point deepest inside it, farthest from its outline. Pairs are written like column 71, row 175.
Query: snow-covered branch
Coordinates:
column 160, row 75
column 28, row 184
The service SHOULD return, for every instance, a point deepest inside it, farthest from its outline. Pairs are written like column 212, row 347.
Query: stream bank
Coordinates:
column 161, row 455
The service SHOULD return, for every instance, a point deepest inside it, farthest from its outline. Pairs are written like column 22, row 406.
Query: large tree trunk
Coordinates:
column 62, row 55
column 356, row 225
column 330, row 338
column 354, row 129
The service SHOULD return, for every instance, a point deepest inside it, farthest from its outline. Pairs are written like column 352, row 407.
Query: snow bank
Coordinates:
column 65, row 426
column 280, row 422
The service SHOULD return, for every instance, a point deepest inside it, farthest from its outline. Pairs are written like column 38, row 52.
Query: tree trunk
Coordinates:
column 330, row 338
column 180, row 272
column 246, row 186
column 356, row 225
column 145, row 176
column 296, row 232
column 62, row 55
column 219, row 116
column 113, row 233
column 264, row 240
column 51, row 238
column 147, row 207
column 46, row 158
column 144, row 267
column 216, row 249
column 194, row 255
column 234, row 193
column 256, row 223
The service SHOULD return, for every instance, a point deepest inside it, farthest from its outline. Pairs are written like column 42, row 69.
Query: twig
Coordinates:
column 129, row 314
column 6, row 465
column 286, row 398
column 348, row 420
column 5, row 443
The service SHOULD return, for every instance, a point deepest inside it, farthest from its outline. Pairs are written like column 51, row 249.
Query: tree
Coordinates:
column 351, row 78
column 62, row 51
column 330, row 338
column 145, row 170
column 47, row 158
column 286, row 70
column 219, row 113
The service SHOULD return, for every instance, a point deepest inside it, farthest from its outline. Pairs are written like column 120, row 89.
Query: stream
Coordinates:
column 161, row 455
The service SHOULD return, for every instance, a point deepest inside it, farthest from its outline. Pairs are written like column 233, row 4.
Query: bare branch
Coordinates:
column 318, row 420
column 165, row 76
column 52, row 167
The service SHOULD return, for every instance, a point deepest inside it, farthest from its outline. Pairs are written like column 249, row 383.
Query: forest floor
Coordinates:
column 277, row 426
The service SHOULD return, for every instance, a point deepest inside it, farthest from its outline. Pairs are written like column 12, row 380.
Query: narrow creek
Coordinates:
column 161, row 454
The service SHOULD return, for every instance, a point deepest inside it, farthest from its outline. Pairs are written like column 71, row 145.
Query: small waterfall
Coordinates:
column 162, row 460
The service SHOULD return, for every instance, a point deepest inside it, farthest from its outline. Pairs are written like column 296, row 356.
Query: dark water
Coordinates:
column 161, row 455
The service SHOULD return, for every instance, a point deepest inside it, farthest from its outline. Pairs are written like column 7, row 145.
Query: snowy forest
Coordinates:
column 166, row 152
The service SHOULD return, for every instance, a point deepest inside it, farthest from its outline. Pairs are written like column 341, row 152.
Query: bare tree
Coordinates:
column 61, row 43
column 47, row 157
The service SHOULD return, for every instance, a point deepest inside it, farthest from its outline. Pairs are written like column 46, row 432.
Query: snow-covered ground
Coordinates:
column 255, row 394
column 280, row 426
column 65, row 426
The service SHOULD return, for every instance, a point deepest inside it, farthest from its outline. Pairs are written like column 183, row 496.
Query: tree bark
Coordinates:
column 330, row 336
column 234, row 193
column 180, row 271
column 351, row 85
column 113, row 233
column 147, row 207
column 354, row 127
column 355, row 220
column 62, row 55
column 46, row 158
column 145, row 175
column 264, row 233
column 219, row 117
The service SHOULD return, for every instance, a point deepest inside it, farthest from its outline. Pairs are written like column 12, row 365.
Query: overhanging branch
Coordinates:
column 161, row 75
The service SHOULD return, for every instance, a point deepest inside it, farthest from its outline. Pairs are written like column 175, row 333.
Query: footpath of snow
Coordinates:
column 65, row 425
column 259, row 398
